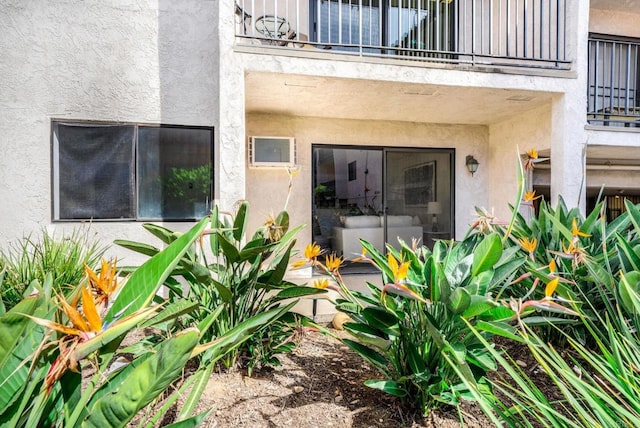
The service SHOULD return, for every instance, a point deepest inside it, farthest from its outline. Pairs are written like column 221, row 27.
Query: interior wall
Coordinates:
column 507, row 141
column 267, row 188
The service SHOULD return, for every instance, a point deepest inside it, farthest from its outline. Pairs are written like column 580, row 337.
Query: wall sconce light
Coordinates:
column 472, row 164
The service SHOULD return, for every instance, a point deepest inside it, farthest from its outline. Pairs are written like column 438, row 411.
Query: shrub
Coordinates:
column 31, row 259
column 415, row 329
column 41, row 384
column 234, row 279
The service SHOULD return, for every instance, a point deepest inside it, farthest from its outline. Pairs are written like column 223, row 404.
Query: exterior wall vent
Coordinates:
column 272, row 152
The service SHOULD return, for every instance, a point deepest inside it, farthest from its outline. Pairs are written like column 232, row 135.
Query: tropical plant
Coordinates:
column 33, row 258
column 596, row 384
column 414, row 329
column 233, row 280
column 41, row 383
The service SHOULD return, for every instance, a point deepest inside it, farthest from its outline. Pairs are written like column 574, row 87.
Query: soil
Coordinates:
column 321, row 384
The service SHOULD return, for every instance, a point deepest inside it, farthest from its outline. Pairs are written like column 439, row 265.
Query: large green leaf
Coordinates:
column 388, row 386
column 382, row 319
column 628, row 256
column 240, row 223
column 143, row 284
column 165, row 235
column 144, row 383
column 486, row 254
column 19, row 338
column 368, row 354
column 628, row 290
column 138, row 247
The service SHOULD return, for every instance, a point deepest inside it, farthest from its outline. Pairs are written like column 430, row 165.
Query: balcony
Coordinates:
column 516, row 33
column 613, row 82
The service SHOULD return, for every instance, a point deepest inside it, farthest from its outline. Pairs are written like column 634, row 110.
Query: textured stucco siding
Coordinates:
column 507, row 141
column 122, row 60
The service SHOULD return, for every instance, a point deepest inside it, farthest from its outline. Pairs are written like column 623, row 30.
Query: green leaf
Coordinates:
column 486, row 254
column 143, row 284
column 240, row 223
column 143, row 384
column 459, row 300
column 382, row 319
column 138, row 247
column 478, row 305
column 19, row 338
column 228, row 248
column 165, row 235
column 628, row 257
column 368, row 354
column 225, row 294
column 192, row 422
column 499, row 328
column 171, row 311
column 388, row 386
column 295, row 292
column 628, row 291
column 201, row 379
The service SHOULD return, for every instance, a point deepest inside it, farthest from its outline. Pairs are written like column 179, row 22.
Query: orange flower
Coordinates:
column 333, row 263
column 552, row 266
column 104, row 284
column 528, row 245
column 575, row 231
column 399, row 271
column 322, row 283
column 311, row 253
column 530, row 196
column 84, row 325
column 532, row 153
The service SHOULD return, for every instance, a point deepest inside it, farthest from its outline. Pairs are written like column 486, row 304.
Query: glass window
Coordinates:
column 108, row 171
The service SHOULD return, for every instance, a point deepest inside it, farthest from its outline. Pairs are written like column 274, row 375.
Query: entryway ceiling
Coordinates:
column 620, row 5
column 329, row 97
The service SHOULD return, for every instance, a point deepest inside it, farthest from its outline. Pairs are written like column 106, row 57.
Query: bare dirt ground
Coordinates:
column 320, row 385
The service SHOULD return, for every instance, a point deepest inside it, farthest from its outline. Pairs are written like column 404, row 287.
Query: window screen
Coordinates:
column 96, row 171
column 109, row 171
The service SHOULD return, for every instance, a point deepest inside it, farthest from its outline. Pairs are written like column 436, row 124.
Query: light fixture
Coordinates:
column 472, row 164
column 434, row 208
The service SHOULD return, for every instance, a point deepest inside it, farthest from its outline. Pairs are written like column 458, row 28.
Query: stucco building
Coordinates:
column 124, row 111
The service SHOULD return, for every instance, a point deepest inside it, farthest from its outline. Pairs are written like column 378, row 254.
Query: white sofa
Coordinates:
column 346, row 239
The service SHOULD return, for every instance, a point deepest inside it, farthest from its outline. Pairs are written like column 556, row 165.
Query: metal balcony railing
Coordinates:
column 613, row 82
column 529, row 33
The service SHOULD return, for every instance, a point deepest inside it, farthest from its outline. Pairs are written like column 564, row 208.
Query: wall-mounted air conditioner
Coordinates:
column 272, row 152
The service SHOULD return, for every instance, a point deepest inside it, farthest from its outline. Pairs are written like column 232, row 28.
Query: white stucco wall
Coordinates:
column 149, row 61
column 507, row 141
column 267, row 188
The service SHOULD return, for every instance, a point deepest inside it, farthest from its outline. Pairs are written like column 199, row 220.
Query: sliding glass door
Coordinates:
column 380, row 195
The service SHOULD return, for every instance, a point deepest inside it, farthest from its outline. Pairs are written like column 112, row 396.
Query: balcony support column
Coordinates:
column 230, row 144
column 568, row 155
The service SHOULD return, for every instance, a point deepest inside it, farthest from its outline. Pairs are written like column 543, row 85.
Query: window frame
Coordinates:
column 55, row 166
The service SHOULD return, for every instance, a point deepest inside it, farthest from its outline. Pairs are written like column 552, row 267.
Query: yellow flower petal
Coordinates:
column 531, row 196
column 551, row 287
column 575, row 231
column 90, row 311
column 527, row 244
column 333, row 263
column 321, row 283
column 552, row 266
